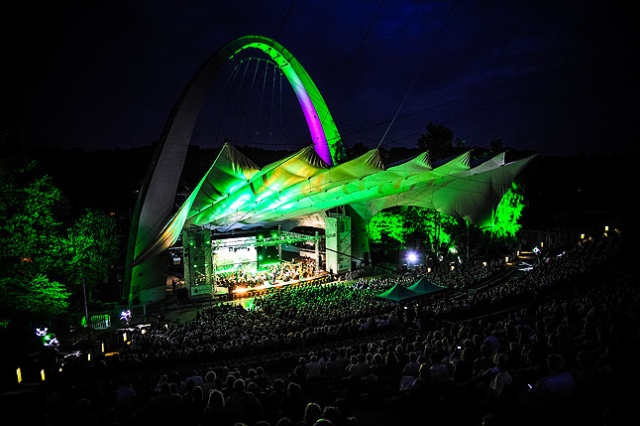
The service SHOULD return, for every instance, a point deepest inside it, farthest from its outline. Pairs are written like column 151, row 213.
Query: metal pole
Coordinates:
column 467, row 244
column 317, row 253
column 280, row 244
column 86, row 306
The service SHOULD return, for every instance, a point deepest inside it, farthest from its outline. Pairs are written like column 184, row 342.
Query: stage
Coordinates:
column 180, row 290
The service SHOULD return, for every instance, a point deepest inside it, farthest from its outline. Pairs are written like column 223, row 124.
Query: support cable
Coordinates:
column 415, row 77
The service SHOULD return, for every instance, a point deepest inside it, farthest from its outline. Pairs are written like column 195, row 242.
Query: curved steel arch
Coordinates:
column 154, row 206
column 325, row 135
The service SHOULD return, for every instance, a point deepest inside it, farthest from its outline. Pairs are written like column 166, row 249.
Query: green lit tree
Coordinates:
column 387, row 224
column 43, row 267
column 428, row 229
column 386, row 234
column 34, row 297
column 92, row 248
column 413, row 227
column 29, row 240
column 438, row 234
column 508, row 213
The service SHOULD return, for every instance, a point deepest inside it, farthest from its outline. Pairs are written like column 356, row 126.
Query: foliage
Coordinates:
column 429, row 228
column 35, row 298
column 28, row 223
column 92, row 249
column 433, row 232
column 508, row 213
column 386, row 224
column 357, row 150
column 29, row 241
column 413, row 226
column 36, row 257
column 437, row 141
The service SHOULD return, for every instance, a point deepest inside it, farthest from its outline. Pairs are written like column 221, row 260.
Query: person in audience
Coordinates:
column 209, row 382
column 313, row 369
column 215, row 412
column 243, row 405
column 552, row 397
column 294, row 403
column 312, row 412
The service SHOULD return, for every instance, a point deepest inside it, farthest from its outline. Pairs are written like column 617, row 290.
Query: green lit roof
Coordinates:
column 299, row 189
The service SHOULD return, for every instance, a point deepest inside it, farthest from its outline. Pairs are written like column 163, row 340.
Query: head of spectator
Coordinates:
column 332, row 413
column 312, row 412
column 284, row 421
column 215, row 401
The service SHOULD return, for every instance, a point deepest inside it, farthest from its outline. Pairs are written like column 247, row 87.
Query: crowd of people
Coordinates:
column 539, row 347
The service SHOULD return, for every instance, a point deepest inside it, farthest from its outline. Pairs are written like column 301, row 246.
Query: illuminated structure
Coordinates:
column 315, row 187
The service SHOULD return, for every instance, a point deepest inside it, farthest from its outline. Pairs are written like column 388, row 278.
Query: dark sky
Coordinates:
column 546, row 76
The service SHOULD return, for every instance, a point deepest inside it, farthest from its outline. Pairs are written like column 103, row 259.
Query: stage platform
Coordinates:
column 218, row 293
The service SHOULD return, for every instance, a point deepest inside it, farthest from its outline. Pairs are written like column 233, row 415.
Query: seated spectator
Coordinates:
column 312, row 412
column 338, row 361
column 293, row 404
column 410, row 383
column 209, row 382
column 553, row 394
column 216, row 413
column 313, row 369
column 463, row 367
column 501, row 378
column 358, row 367
column 438, row 372
column 413, row 365
column 244, row 405
column 284, row 421
column 332, row 414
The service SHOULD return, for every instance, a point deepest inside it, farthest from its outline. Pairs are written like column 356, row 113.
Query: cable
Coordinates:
column 284, row 20
column 415, row 77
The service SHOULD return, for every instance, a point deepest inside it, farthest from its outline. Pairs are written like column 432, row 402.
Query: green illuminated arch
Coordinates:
column 325, row 136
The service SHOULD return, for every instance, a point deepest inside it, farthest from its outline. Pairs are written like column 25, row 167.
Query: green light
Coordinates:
column 508, row 213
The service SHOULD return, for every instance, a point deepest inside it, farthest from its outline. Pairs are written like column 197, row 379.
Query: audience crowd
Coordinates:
column 551, row 345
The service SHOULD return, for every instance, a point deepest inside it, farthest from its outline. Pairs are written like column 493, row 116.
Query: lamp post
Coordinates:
column 86, row 305
column 81, row 260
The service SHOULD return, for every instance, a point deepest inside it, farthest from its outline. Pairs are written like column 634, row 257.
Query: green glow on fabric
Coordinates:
column 325, row 135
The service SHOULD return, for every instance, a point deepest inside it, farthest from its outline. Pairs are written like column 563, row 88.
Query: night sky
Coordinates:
column 547, row 76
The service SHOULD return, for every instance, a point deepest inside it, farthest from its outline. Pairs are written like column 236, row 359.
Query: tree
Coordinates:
column 508, row 213
column 41, row 265
column 389, row 224
column 29, row 239
column 35, row 297
column 92, row 248
column 438, row 141
column 496, row 145
column 413, row 227
column 357, row 150
column 432, row 232
column 428, row 228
